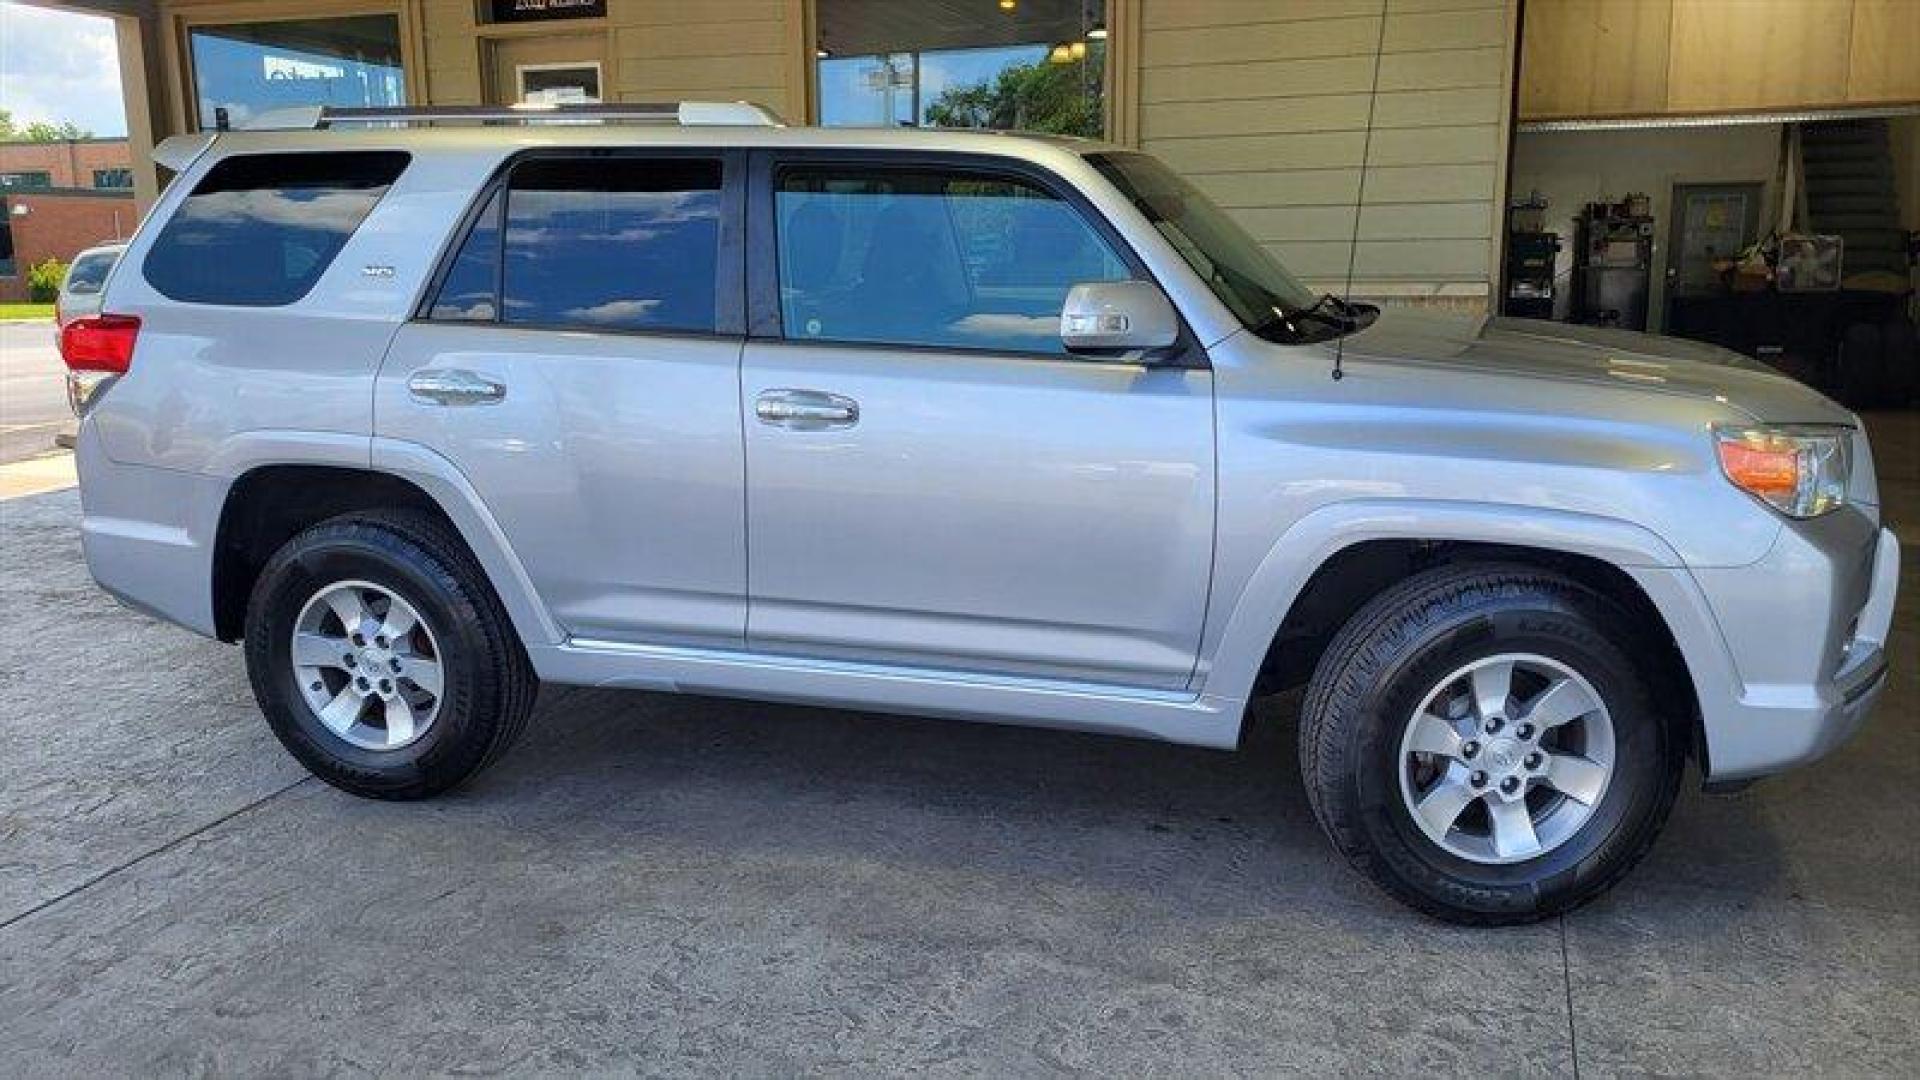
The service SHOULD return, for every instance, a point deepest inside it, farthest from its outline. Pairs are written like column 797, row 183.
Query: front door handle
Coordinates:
column 454, row 386
column 806, row 410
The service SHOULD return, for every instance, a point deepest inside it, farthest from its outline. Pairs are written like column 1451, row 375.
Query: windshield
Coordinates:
column 1244, row 275
column 90, row 272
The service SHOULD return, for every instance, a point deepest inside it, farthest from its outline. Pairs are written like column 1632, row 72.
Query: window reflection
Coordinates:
column 251, row 68
column 613, row 244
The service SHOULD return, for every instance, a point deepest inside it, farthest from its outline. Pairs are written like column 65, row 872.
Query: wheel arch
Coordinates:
column 1332, row 562
column 270, row 503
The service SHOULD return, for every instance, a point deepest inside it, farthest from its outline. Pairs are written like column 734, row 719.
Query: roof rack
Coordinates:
column 683, row 113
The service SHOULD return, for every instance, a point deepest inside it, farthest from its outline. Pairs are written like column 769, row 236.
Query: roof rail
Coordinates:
column 683, row 113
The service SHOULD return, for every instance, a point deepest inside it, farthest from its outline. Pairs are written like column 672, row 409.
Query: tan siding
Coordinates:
column 735, row 49
column 1265, row 105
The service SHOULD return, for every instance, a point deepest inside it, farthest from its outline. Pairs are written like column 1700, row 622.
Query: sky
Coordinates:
column 58, row 66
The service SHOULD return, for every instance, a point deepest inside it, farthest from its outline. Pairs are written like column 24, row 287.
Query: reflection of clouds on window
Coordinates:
column 260, row 229
column 994, row 327
column 614, row 312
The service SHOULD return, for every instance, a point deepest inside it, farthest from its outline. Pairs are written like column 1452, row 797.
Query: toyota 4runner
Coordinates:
column 426, row 406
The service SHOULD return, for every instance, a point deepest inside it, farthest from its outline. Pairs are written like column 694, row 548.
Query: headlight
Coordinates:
column 1799, row 470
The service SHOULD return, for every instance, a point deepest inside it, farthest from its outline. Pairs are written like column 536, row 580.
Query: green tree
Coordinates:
column 39, row 130
column 1061, row 99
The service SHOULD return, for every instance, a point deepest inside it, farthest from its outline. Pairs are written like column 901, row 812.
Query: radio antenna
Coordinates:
column 1360, row 196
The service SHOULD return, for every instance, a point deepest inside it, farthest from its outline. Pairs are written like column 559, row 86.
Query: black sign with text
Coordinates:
column 536, row 10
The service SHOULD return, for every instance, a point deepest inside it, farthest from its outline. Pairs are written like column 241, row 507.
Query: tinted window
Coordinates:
column 89, row 272
column 472, row 284
column 260, row 229
column 613, row 243
column 930, row 258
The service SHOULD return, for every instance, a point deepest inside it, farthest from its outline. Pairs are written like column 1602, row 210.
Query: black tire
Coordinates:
column 1861, row 366
column 1404, row 643
column 488, row 683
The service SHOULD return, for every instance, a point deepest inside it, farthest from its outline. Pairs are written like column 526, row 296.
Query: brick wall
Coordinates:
column 67, row 164
column 59, row 225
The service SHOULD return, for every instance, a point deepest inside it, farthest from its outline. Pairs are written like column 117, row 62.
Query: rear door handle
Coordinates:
column 806, row 410
column 454, row 386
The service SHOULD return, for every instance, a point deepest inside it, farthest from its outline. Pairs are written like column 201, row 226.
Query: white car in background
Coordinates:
column 86, row 280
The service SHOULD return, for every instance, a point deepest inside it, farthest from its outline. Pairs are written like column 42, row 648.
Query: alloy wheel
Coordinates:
column 1506, row 758
column 368, row 665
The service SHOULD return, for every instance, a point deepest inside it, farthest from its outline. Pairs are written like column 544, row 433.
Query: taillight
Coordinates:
column 98, row 350
column 102, row 343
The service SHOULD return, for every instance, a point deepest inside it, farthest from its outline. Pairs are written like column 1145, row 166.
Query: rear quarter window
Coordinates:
column 260, row 229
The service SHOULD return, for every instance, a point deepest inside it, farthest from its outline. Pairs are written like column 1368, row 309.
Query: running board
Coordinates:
column 1170, row 715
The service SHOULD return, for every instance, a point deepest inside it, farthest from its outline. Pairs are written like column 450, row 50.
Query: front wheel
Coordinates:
column 1484, row 744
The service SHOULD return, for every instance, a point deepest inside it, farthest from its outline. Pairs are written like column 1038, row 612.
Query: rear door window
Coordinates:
column 612, row 243
column 260, row 229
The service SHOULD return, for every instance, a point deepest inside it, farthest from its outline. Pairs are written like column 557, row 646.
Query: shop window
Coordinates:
column 32, row 179
column 1033, row 65
column 245, row 69
column 113, row 179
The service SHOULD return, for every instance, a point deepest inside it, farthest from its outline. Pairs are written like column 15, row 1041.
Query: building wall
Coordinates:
column 656, row 50
column 69, row 163
column 1595, row 58
column 1573, row 168
column 1266, row 107
column 59, row 224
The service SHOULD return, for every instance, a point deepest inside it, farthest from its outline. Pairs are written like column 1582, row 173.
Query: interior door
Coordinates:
column 579, row 363
column 932, row 482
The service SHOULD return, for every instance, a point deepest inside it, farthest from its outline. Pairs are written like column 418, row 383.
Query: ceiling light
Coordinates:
column 1098, row 33
column 1060, row 55
column 1009, row 5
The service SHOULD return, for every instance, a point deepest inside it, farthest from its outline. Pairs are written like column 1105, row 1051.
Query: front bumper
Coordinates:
column 1806, row 631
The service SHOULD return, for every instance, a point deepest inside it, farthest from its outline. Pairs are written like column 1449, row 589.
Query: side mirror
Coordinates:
column 1117, row 316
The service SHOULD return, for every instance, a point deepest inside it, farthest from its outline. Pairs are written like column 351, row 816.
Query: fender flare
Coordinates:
column 1269, row 593
column 447, row 486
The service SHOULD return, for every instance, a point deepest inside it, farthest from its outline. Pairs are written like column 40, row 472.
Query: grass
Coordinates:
column 26, row 311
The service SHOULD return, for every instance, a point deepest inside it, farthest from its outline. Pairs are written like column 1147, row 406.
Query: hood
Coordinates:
column 1533, row 348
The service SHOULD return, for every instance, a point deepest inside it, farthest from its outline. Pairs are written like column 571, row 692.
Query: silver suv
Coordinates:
column 428, row 407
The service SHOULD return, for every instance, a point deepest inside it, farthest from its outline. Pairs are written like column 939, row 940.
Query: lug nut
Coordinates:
column 1478, row 779
column 395, row 665
column 386, row 686
column 1525, row 731
column 1468, row 749
column 1510, row 785
column 362, row 682
column 380, row 640
column 357, row 638
column 1533, row 760
column 348, row 659
column 1494, row 724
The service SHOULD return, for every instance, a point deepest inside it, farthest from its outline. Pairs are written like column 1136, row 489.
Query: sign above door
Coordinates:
column 538, row 10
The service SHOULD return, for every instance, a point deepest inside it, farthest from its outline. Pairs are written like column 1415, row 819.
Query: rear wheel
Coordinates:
column 1482, row 744
column 382, row 659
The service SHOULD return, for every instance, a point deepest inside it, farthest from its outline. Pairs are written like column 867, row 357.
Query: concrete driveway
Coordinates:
column 678, row 886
